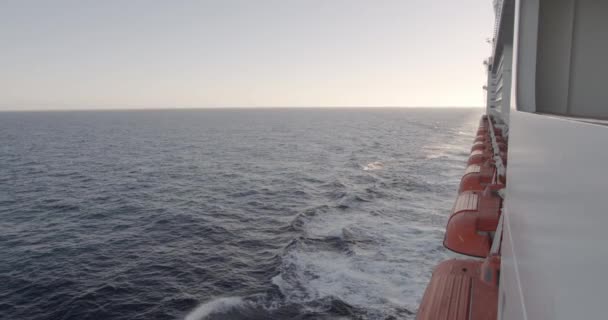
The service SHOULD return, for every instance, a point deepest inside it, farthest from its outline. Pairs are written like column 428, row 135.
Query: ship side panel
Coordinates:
column 555, row 248
column 510, row 303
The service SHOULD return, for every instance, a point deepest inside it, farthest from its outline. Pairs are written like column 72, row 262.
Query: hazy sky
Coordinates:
column 241, row 53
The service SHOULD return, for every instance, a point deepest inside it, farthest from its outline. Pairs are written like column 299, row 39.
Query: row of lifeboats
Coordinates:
column 475, row 214
column 468, row 288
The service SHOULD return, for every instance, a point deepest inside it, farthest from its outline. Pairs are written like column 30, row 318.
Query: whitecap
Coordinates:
column 215, row 306
column 376, row 165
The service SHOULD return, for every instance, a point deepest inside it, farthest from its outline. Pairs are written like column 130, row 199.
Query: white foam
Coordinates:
column 215, row 306
column 376, row 165
column 386, row 270
column 389, row 256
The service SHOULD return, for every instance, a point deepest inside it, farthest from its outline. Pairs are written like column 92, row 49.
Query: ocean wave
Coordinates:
column 220, row 215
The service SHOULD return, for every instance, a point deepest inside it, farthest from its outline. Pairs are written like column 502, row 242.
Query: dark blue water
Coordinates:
column 225, row 214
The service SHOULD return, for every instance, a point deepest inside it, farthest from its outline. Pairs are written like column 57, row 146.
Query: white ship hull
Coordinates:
column 555, row 213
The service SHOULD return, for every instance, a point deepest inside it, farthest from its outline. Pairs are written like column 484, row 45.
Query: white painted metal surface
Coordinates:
column 555, row 255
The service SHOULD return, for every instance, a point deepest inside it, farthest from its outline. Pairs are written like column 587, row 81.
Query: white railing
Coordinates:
column 500, row 167
column 497, row 241
column 498, row 9
column 500, row 172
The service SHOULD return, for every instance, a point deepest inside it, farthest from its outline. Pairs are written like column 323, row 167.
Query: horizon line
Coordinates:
column 59, row 109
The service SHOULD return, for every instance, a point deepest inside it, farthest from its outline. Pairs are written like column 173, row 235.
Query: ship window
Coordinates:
column 571, row 58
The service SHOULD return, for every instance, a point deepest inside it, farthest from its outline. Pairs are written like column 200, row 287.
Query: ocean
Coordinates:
column 226, row 214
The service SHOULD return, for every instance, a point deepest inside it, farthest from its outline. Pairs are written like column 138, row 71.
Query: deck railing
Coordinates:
column 498, row 6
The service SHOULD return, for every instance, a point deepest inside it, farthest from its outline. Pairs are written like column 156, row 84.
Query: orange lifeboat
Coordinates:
column 474, row 216
column 486, row 131
column 486, row 145
column 481, row 146
column 476, row 177
column 481, row 138
column 479, row 156
column 483, row 156
column 457, row 292
column 486, row 138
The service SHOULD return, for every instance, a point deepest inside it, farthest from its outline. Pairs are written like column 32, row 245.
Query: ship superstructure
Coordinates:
column 531, row 210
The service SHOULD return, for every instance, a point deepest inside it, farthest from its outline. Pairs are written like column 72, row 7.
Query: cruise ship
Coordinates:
column 530, row 219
